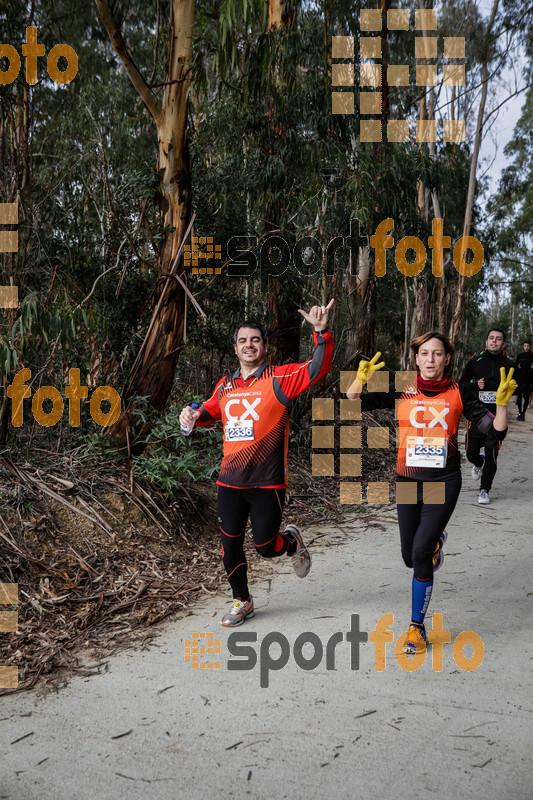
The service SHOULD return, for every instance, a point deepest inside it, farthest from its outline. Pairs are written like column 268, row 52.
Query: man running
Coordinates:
column 484, row 370
column 524, row 377
column 254, row 405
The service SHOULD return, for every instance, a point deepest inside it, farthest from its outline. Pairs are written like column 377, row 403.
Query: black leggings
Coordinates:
column 475, row 440
column 522, row 396
column 421, row 525
column 265, row 509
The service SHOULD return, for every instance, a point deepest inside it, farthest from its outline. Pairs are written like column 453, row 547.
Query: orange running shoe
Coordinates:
column 417, row 640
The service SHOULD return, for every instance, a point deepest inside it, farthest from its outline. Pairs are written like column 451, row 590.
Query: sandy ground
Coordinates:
column 151, row 726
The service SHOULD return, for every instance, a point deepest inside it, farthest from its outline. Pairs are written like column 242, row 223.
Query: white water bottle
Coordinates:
column 187, row 430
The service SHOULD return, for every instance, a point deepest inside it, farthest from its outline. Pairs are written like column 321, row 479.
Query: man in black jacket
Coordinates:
column 524, row 378
column 484, row 370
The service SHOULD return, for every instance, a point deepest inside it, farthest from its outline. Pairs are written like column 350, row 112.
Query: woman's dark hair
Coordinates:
column 449, row 349
column 251, row 323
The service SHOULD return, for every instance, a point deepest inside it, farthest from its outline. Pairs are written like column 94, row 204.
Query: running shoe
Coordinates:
column 417, row 640
column 476, row 471
column 301, row 560
column 484, row 498
column 239, row 611
column 438, row 555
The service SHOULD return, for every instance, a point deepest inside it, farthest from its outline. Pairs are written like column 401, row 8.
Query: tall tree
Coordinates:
column 16, row 185
column 488, row 55
column 284, row 295
column 153, row 371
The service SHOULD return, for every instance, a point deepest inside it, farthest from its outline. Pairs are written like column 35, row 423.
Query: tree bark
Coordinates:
column 15, row 158
column 280, row 14
column 284, row 332
column 459, row 311
column 154, row 369
column 284, row 322
column 365, row 304
column 420, row 317
column 405, row 353
column 419, row 320
column 361, row 287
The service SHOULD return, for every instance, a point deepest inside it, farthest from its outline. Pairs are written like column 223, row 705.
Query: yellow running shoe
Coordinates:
column 417, row 640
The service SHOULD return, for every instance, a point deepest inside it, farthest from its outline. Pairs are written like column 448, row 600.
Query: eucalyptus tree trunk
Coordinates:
column 153, row 372
column 404, row 361
column 284, row 295
column 442, row 298
column 420, row 316
column 16, row 168
column 280, row 14
column 365, row 304
column 459, row 310
column 361, row 287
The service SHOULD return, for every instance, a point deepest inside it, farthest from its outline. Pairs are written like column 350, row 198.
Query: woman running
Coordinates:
column 428, row 418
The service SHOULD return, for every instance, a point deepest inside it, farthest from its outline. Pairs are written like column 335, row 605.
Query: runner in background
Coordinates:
column 484, row 371
column 428, row 418
column 254, row 405
column 524, row 377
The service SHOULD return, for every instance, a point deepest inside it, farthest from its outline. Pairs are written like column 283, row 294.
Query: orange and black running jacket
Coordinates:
column 255, row 416
column 426, row 415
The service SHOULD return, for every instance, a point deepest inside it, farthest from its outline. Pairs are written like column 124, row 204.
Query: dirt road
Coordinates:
column 152, row 726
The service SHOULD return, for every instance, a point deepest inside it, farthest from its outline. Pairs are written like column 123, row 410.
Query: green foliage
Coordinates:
column 266, row 153
column 510, row 232
column 27, row 342
column 171, row 459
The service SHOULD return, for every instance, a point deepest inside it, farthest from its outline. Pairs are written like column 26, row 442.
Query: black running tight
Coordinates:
column 264, row 507
column 522, row 396
column 475, row 440
column 421, row 525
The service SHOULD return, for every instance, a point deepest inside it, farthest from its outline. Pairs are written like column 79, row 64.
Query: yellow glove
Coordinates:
column 366, row 368
column 506, row 388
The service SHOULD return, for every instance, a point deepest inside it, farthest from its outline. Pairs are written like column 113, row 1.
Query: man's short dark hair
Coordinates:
column 526, row 341
column 251, row 323
column 499, row 330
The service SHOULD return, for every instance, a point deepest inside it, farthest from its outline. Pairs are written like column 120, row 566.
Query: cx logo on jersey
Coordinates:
column 438, row 417
column 248, row 412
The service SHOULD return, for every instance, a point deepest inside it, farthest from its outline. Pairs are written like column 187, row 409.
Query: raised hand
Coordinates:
column 317, row 316
column 506, row 388
column 366, row 368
